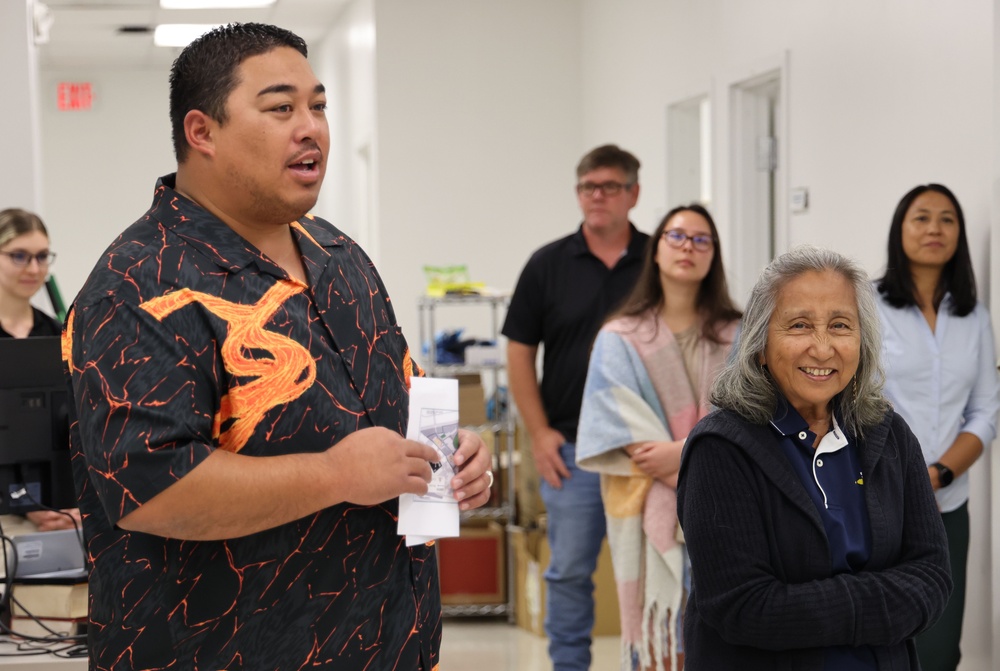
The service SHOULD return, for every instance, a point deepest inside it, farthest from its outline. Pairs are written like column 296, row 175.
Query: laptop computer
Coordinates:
column 48, row 556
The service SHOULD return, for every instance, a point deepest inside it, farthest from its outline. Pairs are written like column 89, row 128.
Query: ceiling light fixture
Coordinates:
column 180, row 34
column 214, row 4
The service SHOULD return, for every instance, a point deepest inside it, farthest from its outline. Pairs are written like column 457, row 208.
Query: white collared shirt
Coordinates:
column 943, row 382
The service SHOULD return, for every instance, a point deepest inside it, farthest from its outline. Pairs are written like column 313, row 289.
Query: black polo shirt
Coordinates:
column 562, row 298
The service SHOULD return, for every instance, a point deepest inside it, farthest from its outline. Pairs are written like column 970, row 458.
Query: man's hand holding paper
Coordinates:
column 461, row 477
column 472, row 484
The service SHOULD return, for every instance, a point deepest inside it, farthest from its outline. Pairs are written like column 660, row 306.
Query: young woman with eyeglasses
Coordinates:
column 24, row 266
column 650, row 373
column 940, row 374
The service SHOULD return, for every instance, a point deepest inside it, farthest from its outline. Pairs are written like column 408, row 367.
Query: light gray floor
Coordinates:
column 494, row 645
column 467, row 645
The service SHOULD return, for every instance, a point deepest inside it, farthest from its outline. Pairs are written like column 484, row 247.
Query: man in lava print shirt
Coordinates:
column 240, row 391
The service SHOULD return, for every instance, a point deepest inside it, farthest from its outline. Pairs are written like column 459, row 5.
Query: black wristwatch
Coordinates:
column 945, row 476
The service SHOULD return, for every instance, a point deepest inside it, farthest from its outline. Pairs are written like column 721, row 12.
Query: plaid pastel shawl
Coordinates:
column 638, row 390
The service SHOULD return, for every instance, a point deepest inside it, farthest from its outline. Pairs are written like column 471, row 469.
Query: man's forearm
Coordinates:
column 524, row 386
column 230, row 495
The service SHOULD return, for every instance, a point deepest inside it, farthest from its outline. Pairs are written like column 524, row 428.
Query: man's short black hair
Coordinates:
column 204, row 74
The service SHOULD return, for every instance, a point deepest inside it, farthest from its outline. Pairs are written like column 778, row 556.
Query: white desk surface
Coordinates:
column 46, row 662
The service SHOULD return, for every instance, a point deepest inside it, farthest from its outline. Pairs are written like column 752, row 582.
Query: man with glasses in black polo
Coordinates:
column 564, row 293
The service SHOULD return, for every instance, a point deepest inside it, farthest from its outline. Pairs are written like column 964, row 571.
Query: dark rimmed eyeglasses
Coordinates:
column 676, row 238
column 23, row 259
column 588, row 189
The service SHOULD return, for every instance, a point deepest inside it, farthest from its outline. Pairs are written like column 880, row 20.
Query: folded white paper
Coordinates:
column 434, row 422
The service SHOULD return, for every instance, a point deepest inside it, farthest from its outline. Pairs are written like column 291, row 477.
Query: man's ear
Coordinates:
column 634, row 195
column 198, row 131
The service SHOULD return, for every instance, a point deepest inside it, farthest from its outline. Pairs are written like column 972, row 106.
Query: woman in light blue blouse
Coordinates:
column 941, row 374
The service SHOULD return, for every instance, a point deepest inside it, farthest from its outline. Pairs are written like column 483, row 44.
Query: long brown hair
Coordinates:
column 714, row 302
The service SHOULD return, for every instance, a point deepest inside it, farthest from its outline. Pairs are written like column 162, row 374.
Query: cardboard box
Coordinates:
column 501, row 471
column 51, row 600
column 527, row 482
column 44, row 626
column 473, row 567
column 531, row 557
column 471, row 400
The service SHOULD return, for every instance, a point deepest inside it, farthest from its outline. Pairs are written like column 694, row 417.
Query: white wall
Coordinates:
column 100, row 166
column 20, row 169
column 345, row 63
column 479, row 132
column 882, row 96
column 992, row 458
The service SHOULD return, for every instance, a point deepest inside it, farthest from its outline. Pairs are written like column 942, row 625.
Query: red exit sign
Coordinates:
column 74, row 96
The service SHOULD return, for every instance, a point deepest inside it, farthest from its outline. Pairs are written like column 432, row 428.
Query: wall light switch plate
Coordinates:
column 800, row 199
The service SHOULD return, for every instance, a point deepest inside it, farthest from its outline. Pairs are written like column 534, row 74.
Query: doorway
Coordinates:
column 758, row 142
column 689, row 152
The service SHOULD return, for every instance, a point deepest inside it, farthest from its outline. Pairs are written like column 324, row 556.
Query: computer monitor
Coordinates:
column 35, row 467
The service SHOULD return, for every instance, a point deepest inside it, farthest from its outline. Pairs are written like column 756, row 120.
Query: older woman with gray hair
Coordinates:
column 814, row 537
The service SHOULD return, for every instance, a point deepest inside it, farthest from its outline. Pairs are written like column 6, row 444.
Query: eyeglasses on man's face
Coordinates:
column 588, row 189
column 676, row 238
column 23, row 259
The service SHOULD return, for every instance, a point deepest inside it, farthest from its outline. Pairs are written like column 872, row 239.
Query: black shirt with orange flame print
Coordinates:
column 184, row 340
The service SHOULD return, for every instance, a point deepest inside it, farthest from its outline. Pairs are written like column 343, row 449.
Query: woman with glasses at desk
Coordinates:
column 24, row 266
